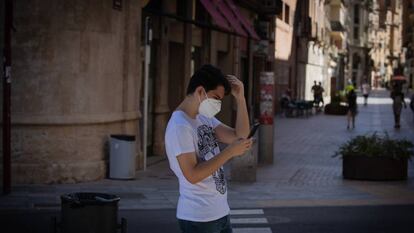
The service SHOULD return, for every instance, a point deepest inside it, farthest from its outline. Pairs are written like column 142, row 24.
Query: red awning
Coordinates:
column 227, row 16
column 217, row 17
column 225, row 10
column 246, row 24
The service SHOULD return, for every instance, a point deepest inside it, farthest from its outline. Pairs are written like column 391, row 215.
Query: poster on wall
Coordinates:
column 266, row 97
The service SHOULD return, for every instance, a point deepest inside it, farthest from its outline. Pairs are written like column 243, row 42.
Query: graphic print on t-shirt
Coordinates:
column 207, row 146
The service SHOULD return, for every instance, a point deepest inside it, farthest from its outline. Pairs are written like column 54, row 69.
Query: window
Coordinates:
column 287, row 14
column 356, row 14
column 355, row 61
column 356, row 33
column 387, row 3
column 280, row 14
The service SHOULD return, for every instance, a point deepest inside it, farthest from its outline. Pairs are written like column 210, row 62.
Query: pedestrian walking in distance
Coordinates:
column 191, row 142
column 320, row 92
column 314, row 91
column 397, row 104
column 366, row 89
column 352, row 107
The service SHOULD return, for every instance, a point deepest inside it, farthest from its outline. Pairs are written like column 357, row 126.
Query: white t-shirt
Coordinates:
column 206, row 200
column 365, row 89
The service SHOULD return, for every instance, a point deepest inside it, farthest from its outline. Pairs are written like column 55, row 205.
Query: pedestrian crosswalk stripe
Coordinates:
column 252, row 230
column 246, row 212
column 248, row 220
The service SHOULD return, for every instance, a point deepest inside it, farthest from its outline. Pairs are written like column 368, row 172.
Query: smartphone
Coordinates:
column 253, row 130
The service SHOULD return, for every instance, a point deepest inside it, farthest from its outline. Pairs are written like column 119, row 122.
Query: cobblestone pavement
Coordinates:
column 303, row 174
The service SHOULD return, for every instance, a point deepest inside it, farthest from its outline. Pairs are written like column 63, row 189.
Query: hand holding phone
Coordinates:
column 253, row 130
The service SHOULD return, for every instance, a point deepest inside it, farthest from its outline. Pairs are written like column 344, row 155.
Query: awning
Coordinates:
column 227, row 16
column 225, row 10
column 247, row 26
column 217, row 17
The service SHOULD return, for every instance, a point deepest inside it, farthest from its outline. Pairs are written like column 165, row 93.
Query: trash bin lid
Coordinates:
column 85, row 198
column 123, row 137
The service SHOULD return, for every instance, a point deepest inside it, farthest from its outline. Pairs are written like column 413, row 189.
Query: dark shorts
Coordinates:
column 365, row 95
column 221, row 225
column 353, row 110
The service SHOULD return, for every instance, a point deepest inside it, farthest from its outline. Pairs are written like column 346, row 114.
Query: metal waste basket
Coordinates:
column 122, row 157
column 89, row 213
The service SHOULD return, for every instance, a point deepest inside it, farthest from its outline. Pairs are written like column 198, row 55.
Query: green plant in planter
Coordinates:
column 375, row 157
column 377, row 146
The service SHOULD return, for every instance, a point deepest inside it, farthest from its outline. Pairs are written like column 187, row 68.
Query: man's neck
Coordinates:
column 189, row 107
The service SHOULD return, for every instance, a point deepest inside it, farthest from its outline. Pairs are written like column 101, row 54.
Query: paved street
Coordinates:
column 302, row 192
column 355, row 219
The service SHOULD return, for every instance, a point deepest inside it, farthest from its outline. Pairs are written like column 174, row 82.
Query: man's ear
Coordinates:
column 199, row 91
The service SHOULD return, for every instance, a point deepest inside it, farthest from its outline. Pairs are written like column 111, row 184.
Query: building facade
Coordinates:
column 379, row 43
column 391, row 15
column 285, row 48
column 358, row 47
column 79, row 70
column 233, row 35
column 314, row 48
column 76, row 80
column 408, row 41
column 338, row 15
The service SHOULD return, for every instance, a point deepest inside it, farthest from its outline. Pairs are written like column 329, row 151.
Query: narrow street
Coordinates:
column 302, row 192
column 89, row 104
column 356, row 219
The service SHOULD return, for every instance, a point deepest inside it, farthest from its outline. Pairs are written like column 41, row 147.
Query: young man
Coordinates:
column 191, row 142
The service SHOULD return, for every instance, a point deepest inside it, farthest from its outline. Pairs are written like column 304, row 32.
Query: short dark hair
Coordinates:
column 209, row 77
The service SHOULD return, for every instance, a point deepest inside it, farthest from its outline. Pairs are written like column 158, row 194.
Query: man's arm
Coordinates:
column 227, row 134
column 195, row 171
column 242, row 121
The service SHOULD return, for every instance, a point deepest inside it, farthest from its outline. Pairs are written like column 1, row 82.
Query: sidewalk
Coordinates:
column 304, row 173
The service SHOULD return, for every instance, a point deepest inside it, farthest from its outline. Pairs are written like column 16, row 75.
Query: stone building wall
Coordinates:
column 76, row 80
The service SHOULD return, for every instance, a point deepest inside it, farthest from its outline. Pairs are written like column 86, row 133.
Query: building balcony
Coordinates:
column 337, row 26
column 337, row 15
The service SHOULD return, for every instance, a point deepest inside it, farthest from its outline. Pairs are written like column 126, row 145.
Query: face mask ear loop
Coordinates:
column 210, row 124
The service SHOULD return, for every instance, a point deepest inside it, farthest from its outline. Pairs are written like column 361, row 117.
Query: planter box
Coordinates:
column 335, row 109
column 374, row 168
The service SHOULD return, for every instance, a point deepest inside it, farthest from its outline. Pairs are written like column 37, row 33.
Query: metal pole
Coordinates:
column 148, row 38
column 6, row 97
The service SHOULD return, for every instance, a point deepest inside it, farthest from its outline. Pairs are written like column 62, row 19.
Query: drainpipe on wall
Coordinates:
column 148, row 38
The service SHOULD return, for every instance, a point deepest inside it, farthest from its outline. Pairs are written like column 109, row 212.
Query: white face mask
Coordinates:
column 209, row 107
